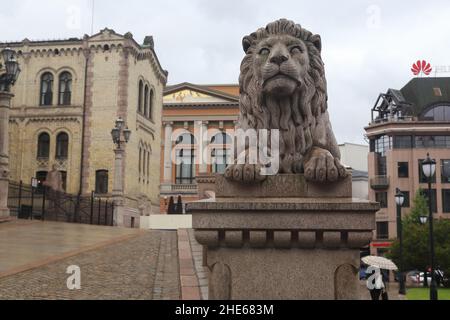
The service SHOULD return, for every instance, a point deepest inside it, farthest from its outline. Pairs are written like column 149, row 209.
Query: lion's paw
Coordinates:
column 321, row 166
column 247, row 173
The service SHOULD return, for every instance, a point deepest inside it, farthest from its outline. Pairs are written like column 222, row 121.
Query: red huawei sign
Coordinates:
column 421, row 67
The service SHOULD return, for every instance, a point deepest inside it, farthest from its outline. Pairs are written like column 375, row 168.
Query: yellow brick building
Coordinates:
column 67, row 98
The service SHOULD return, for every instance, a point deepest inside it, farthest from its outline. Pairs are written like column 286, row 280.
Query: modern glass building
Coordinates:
column 406, row 125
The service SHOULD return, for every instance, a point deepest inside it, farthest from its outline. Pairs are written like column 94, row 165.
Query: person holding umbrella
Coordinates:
column 375, row 282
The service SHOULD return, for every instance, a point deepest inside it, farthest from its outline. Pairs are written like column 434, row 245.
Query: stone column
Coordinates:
column 203, row 144
column 168, row 153
column 118, row 188
column 5, row 104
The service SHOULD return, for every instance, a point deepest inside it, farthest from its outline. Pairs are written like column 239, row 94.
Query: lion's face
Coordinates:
column 280, row 64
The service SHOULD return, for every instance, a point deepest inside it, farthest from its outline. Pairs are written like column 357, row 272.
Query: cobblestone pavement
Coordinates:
column 141, row 268
column 201, row 271
column 167, row 280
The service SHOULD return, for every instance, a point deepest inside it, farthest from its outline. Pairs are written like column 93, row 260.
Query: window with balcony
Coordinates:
column 403, row 169
column 382, row 198
column 383, row 230
column 185, row 155
column 221, row 154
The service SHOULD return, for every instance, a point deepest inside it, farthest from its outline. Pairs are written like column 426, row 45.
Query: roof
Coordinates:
column 422, row 92
column 202, row 89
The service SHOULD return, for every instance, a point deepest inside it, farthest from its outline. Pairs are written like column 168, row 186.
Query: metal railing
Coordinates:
column 379, row 182
column 42, row 203
column 184, row 187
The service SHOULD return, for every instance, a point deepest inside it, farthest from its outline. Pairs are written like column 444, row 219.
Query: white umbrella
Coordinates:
column 379, row 262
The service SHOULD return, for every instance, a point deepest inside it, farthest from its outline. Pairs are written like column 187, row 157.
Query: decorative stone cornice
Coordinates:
column 283, row 239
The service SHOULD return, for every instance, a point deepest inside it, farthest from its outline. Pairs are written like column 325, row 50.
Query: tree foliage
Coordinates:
column 416, row 251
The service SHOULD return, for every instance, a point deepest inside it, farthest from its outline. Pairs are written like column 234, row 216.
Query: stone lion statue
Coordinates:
column 283, row 86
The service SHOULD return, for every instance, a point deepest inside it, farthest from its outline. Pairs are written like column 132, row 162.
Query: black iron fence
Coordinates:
column 27, row 202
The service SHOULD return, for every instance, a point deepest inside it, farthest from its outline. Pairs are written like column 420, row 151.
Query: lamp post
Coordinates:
column 429, row 169
column 9, row 73
column 399, row 200
column 120, row 136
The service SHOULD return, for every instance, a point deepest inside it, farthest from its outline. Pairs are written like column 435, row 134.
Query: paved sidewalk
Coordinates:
column 28, row 244
column 141, row 267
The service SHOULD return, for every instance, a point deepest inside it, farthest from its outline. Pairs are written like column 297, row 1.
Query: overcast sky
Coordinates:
column 368, row 46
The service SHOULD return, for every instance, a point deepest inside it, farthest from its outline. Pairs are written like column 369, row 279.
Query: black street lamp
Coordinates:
column 429, row 170
column 399, row 200
column 118, row 131
column 11, row 68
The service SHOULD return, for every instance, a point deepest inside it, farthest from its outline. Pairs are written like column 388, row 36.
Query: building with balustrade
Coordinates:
column 67, row 98
column 194, row 115
column 407, row 124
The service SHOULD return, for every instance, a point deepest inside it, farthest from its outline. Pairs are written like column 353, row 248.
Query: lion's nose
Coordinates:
column 279, row 59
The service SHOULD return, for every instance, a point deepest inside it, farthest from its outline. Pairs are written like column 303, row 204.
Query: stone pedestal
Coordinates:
column 283, row 239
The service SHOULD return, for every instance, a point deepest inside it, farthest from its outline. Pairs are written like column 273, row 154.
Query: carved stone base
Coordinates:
column 284, row 248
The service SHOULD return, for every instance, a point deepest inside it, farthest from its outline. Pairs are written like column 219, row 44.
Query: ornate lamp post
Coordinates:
column 9, row 73
column 399, row 200
column 120, row 136
column 429, row 169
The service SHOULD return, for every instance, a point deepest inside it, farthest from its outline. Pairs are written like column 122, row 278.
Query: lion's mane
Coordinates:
column 296, row 117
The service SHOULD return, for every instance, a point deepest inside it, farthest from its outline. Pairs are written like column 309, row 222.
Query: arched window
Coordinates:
column 140, row 164
column 144, row 172
column 65, row 89
column 101, row 181
column 146, row 101
column 62, row 146
column 221, row 153
column 141, row 93
column 148, row 167
column 151, row 101
column 43, row 150
column 185, row 154
column 437, row 113
column 46, row 89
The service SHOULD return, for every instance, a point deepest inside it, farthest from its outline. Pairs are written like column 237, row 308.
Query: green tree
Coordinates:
column 416, row 251
column 419, row 208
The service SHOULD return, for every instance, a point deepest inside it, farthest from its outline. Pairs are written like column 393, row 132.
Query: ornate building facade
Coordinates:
column 191, row 112
column 67, row 98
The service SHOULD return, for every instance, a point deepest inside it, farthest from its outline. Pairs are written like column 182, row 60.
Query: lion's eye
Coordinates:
column 264, row 51
column 296, row 49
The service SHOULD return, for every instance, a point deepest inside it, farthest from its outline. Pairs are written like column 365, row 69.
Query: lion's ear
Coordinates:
column 246, row 43
column 317, row 41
